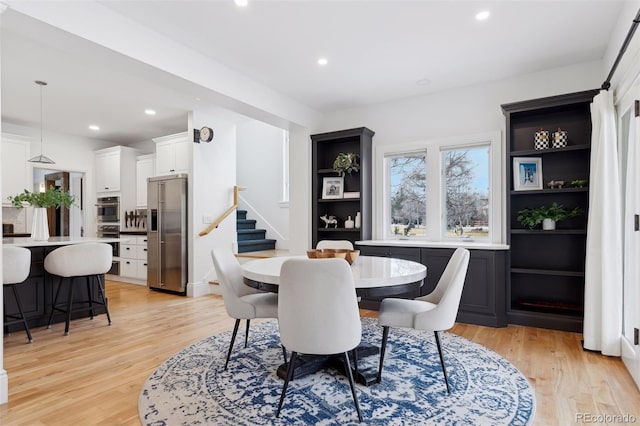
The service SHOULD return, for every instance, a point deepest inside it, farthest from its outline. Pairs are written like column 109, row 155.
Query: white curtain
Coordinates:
column 603, row 268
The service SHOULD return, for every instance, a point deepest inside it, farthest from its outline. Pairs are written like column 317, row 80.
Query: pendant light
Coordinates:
column 41, row 158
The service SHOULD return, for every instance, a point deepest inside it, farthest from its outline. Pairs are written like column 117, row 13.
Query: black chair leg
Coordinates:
column 354, row 354
column 284, row 354
column 90, row 293
column 104, row 298
column 383, row 347
column 444, row 369
column 69, row 305
column 353, row 386
column 290, row 369
column 24, row 319
column 246, row 334
column 55, row 300
column 233, row 339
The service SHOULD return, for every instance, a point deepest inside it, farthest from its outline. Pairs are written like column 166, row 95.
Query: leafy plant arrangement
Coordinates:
column 346, row 163
column 50, row 198
column 579, row 183
column 533, row 216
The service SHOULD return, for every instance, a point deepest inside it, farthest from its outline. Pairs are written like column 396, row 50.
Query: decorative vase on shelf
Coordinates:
column 548, row 224
column 358, row 220
column 541, row 139
column 348, row 223
column 40, row 224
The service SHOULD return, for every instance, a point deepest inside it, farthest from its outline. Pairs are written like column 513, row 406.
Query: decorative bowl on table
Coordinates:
column 348, row 255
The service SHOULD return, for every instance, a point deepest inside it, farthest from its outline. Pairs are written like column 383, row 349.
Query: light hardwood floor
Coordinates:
column 94, row 375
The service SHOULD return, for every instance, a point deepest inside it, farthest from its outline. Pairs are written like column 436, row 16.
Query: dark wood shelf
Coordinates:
column 325, row 147
column 555, row 272
column 534, row 152
column 545, row 269
column 550, row 191
column 337, row 200
column 555, row 232
column 549, row 306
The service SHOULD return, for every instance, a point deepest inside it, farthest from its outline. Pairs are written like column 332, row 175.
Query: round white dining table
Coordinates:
column 373, row 276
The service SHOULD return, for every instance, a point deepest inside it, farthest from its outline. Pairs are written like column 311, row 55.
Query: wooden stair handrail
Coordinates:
column 230, row 210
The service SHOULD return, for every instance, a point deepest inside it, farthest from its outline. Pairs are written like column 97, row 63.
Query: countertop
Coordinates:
column 469, row 244
column 58, row 241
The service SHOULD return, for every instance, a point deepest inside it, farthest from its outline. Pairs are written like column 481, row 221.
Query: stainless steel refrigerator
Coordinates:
column 167, row 233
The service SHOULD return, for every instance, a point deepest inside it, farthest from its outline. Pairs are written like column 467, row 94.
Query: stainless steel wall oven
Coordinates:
column 108, row 210
column 111, row 231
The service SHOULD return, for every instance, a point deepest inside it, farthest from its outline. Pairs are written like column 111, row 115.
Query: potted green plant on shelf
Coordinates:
column 346, row 163
column 52, row 197
column 548, row 216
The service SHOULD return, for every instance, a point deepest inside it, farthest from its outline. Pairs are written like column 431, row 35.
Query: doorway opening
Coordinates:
column 63, row 222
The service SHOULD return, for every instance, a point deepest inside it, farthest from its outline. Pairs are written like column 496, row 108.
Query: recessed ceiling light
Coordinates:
column 481, row 16
column 241, row 3
column 149, row 112
column 94, row 127
column 323, row 61
column 423, row 82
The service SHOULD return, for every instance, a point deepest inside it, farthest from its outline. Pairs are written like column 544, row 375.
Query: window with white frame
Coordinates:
column 441, row 190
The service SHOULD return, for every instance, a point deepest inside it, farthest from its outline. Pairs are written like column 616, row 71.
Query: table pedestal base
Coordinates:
column 308, row 364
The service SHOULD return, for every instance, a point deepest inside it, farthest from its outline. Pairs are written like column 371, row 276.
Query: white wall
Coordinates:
column 210, row 194
column 260, row 163
column 458, row 112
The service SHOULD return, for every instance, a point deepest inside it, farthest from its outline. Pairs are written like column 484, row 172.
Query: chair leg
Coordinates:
column 233, row 339
column 284, row 354
column 55, row 300
column 69, row 305
column 24, row 319
column 444, row 369
column 90, row 293
column 383, row 347
column 246, row 334
column 353, row 386
column 104, row 298
column 354, row 354
column 290, row 369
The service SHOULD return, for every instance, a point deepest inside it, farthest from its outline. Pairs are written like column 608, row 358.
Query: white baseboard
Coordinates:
column 4, row 387
column 197, row 289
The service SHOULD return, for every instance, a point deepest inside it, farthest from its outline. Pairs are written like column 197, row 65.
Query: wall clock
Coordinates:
column 205, row 134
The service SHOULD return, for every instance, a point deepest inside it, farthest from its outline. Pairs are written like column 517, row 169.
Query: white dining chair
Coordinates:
column 16, row 265
column 240, row 300
column 318, row 313
column 435, row 312
column 74, row 261
column 334, row 244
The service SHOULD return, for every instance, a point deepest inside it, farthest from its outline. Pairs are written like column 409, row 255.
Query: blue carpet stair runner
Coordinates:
column 250, row 238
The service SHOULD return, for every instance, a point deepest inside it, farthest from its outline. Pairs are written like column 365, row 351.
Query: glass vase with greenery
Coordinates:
column 52, row 197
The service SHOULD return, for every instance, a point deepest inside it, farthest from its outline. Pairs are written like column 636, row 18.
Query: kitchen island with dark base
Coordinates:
column 38, row 291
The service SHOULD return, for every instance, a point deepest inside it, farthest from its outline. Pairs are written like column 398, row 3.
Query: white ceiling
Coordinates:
column 377, row 51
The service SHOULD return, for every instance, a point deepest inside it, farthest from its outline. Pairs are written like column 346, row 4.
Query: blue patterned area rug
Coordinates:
column 191, row 388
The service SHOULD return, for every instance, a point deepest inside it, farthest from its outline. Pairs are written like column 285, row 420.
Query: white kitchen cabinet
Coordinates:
column 108, row 171
column 172, row 154
column 145, row 168
column 15, row 168
column 133, row 259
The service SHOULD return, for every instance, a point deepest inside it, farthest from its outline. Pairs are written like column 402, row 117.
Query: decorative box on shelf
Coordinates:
column 351, row 195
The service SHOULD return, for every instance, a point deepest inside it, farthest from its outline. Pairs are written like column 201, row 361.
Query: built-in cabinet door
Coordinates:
column 15, row 170
column 108, row 171
column 172, row 156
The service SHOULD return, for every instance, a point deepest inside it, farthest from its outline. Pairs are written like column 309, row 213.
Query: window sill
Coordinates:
column 436, row 244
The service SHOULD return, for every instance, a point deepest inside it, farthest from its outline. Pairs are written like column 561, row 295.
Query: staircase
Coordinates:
column 250, row 238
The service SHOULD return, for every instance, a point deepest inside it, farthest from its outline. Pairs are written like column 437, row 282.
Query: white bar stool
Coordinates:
column 16, row 264
column 76, row 261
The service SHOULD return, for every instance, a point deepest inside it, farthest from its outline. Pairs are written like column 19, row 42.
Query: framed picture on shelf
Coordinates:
column 332, row 188
column 527, row 173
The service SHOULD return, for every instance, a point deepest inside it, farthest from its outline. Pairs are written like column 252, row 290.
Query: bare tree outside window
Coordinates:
column 408, row 194
column 466, row 174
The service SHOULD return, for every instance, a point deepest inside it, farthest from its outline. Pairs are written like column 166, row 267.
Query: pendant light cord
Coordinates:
column 41, row 109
